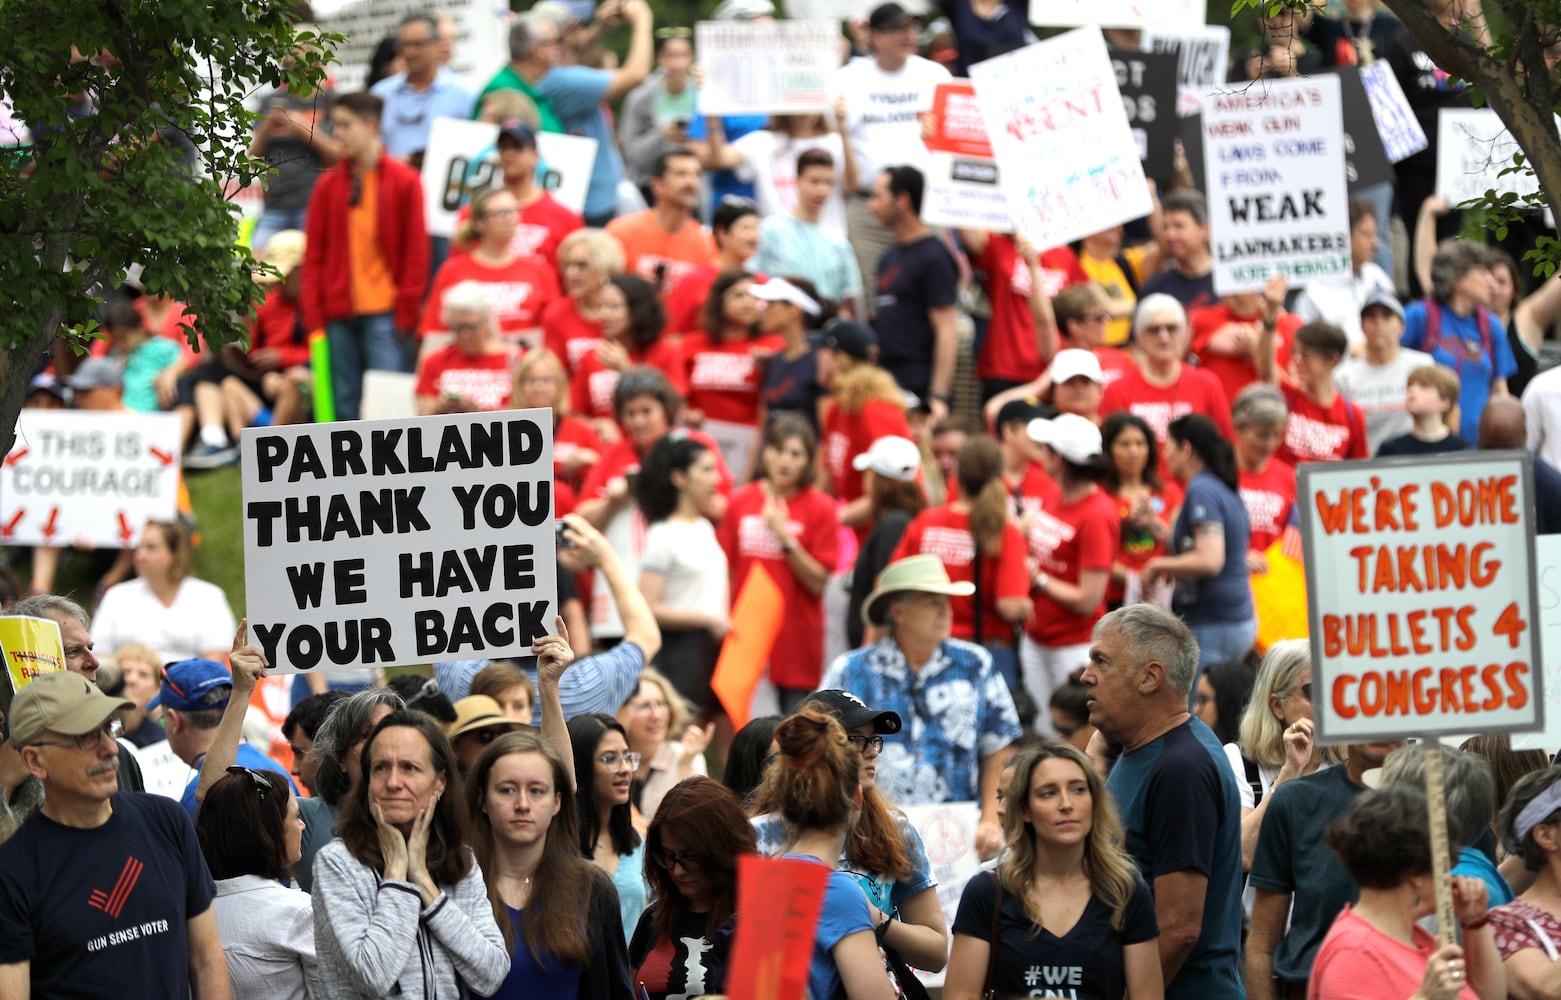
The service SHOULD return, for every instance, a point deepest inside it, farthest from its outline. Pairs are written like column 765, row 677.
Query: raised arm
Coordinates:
column 554, row 654
column 1431, row 209
column 637, row 63
column 248, row 664
column 1265, row 356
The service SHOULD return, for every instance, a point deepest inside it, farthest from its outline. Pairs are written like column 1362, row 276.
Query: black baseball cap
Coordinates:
column 1020, row 411
column 850, row 337
column 520, row 131
column 888, row 16
column 853, row 711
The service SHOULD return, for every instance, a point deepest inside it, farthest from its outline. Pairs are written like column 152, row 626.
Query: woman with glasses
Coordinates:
column 882, row 852
column 572, row 325
column 557, row 911
column 252, row 836
column 1146, row 503
column 471, row 374
column 655, row 720
column 681, row 945
column 518, row 288
column 604, row 770
column 1166, row 387
column 399, row 904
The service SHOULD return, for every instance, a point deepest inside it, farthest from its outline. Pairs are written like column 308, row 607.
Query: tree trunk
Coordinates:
column 17, row 364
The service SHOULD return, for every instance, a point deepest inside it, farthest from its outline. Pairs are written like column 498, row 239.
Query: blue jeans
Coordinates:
column 271, row 222
column 1220, row 642
column 360, row 343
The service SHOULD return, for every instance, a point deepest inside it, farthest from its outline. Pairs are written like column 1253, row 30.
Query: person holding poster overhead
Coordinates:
column 1323, row 425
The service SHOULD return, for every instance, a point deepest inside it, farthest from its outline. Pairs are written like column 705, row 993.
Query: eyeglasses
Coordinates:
column 612, row 760
column 1169, row 329
column 1306, row 690
column 666, row 859
column 501, row 213
column 862, row 743
column 113, row 729
column 738, row 201
column 456, row 328
column 262, row 784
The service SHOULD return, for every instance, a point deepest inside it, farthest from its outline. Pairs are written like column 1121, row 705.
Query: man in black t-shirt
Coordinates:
column 917, row 294
column 1184, row 241
column 102, row 893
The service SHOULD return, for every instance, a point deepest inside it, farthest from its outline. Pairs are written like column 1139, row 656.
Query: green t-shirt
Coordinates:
column 142, row 366
column 508, row 79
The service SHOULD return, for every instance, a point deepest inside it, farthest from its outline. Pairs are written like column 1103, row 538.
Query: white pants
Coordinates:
column 1044, row 669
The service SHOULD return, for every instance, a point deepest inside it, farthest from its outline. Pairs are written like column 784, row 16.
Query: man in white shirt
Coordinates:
column 1542, row 412
column 1340, row 301
column 885, row 95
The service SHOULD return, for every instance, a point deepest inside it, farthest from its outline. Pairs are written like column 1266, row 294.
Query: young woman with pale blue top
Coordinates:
column 604, row 770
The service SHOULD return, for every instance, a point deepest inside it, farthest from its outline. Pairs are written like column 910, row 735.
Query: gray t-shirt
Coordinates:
column 1379, row 391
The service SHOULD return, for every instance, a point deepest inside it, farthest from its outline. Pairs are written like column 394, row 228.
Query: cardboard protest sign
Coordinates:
column 948, row 834
column 1397, row 126
column 1147, row 81
column 1425, row 621
column 1119, row 13
column 481, row 36
column 757, row 617
column 778, row 903
column 1274, row 171
column 1202, row 61
column 462, row 160
column 1472, row 148
column 766, row 67
column 78, row 476
column 30, row 647
column 1061, row 94
column 962, row 189
column 1365, row 160
column 382, row 543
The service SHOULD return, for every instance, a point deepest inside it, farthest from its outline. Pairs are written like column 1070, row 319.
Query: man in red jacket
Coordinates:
column 366, row 258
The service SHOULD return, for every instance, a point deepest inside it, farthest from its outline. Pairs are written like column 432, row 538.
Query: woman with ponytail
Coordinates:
column 815, row 786
column 1065, row 897
column 1208, row 560
column 974, row 533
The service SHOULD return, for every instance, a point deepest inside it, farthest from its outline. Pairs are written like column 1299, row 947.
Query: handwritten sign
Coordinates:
column 1202, row 61
column 481, row 36
column 1401, row 133
column 1273, row 160
column 30, row 647
column 778, row 903
column 1061, row 94
column 89, row 478
column 1426, row 623
column 463, row 160
column 1472, row 148
column 766, row 67
column 381, row 543
column 962, row 189
column 1119, row 13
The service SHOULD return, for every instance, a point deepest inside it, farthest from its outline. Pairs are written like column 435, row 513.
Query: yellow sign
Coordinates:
column 30, row 646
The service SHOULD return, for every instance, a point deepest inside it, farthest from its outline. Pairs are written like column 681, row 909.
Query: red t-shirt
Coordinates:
column 1035, row 491
column 277, row 325
column 1009, row 350
column 1114, row 363
column 685, row 299
column 621, row 457
column 1066, row 539
column 484, row 379
column 572, row 434
column 568, row 334
column 543, row 225
column 660, row 257
column 518, row 292
column 1195, row 391
column 1269, row 497
column 1135, row 546
column 945, row 533
column 1322, row 434
column 847, row 435
column 724, row 379
column 748, row 540
column 1234, row 373
column 592, row 384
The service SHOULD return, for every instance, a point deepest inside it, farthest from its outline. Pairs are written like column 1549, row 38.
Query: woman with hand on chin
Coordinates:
column 399, row 903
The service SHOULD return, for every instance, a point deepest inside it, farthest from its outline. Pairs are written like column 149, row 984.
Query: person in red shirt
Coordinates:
column 1224, row 335
column 1267, row 483
column 540, row 382
column 1166, row 387
column 571, row 327
column 518, row 288
column 471, row 375
column 1072, row 546
column 1028, row 486
column 974, row 533
column 1323, row 425
column 1022, row 333
column 1146, row 503
column 544, row 223
column 664, row 242
column 736, row 229
column 633, row 327
column 865, row 404
column 723, row 366
column 783, row 523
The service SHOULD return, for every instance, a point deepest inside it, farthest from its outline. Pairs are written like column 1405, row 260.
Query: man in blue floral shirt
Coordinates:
column 960, row 722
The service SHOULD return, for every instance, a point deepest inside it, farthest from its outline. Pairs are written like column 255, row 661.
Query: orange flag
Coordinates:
column 756, row 622
column 778, row 903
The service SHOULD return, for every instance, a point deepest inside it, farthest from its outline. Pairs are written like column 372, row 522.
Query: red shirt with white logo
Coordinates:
column 1009, row 351
column 483, row 380
column 518, row 292
column 1066, row 539
column 621, row 457
column 945, row 532
column 1317, row 433
column 847, row 435
column 1135, row 546
column 1236, row 373
column 1268, row 496
column 571, row 435
column 724, row 378
column 748, row 541
column 568, row 334
column 1195, row 391
column 592, row 384
column 542, row 227
column 1034, row 491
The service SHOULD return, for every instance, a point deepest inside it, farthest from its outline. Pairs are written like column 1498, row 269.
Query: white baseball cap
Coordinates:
column 1075, row 438
column 781, row 290
column 1074, row 362
column 892, row 457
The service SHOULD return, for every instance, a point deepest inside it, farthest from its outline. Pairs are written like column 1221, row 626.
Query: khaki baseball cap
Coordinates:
column 65, row 703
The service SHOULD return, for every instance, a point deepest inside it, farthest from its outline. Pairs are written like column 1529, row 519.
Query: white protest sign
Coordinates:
column 90, row 477
column 481, row 36
column 1202, row 57
column 382, row 543
column 1273, row 163
column 1473, row 146
column 845, row 10
column 1426, row 622
column 948, row 834
column 1547, row 548
column 962, row 190
column 1172, row 14
column 1061, row 95
column 1402, row 136
column 766, row 67
column 462, row 159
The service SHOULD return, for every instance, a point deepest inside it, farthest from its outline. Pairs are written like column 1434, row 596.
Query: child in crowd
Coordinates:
column 1430, row 398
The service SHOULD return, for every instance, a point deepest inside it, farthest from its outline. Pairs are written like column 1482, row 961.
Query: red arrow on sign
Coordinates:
column 48, row 527
column 124, row 528
column 9, row 528
column 16, row 456
column 162, row 456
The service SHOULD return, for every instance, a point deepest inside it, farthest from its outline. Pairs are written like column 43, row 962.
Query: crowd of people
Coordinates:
column 1030, row 588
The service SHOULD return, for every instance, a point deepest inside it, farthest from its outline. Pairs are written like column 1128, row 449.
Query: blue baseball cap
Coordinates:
column 193, row 686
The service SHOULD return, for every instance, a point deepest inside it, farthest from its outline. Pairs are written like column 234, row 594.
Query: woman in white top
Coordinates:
column 252, row 836
column 165, row 606
column 683, row 570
